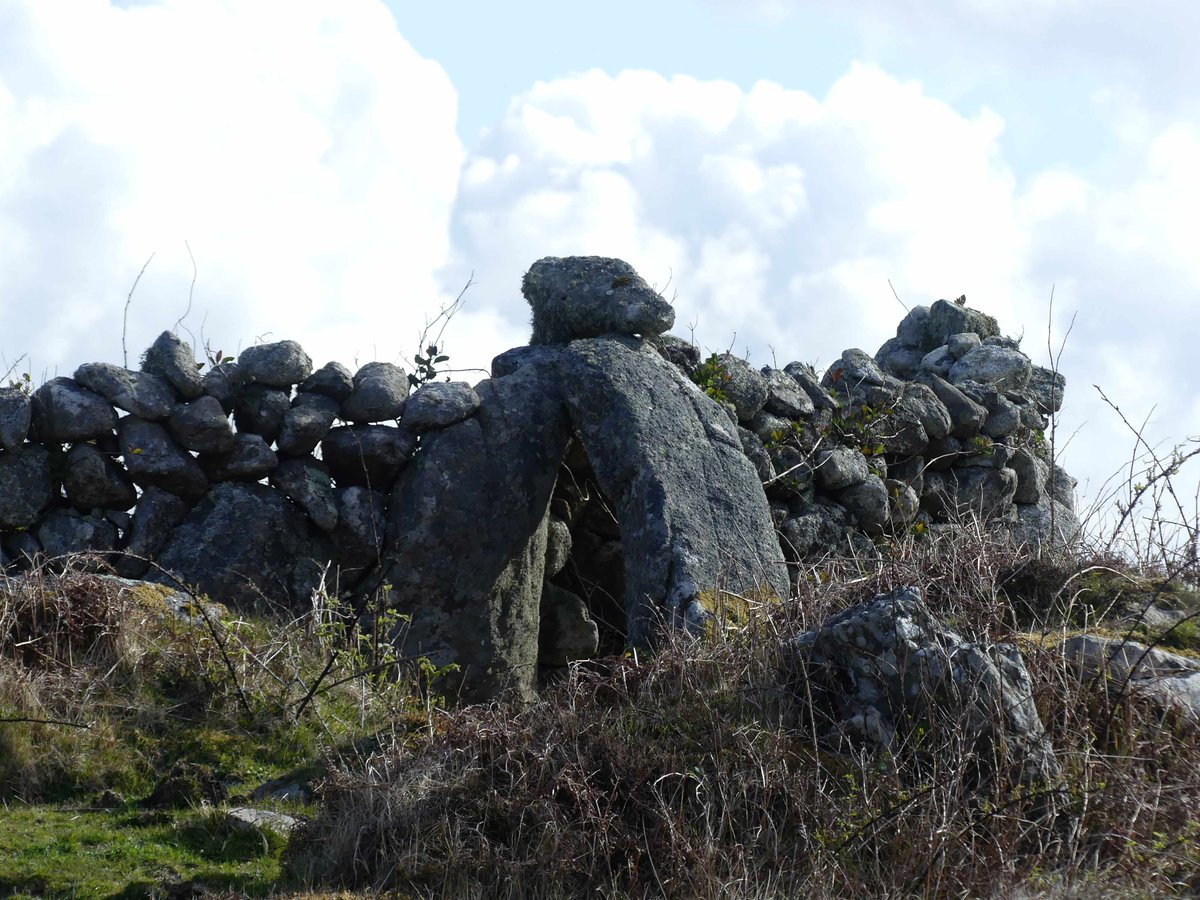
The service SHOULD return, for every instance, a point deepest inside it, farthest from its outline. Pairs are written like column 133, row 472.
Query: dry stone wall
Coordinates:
column 604, row 478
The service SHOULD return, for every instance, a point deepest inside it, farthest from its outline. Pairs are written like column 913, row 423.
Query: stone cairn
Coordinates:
column 601, row 481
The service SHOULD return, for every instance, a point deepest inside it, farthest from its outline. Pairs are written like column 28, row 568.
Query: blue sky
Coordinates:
column 338, row 171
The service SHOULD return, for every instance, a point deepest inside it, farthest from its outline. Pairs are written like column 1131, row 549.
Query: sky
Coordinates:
column 793, row 175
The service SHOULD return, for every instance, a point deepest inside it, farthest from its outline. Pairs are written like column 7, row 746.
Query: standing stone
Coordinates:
column 279, row 365
column 92, row 479
column 380, row 389
column 172, row 360
column 146, row 396
column 587, row 296
column 152, row 459
column 27, row 485
column 467, row 536
column 63, row 412
column 693, row 515
column 14, row 417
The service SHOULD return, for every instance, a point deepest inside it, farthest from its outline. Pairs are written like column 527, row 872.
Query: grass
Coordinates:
column 63, row 851
column 704, row 772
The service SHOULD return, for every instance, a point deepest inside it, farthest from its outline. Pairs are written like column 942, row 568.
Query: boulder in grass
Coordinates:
column 889, row 666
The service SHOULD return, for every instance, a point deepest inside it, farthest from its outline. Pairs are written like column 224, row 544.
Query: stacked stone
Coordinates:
column 147, row 468
column 947, row 419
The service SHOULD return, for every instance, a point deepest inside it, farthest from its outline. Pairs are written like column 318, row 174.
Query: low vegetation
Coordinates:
column 129, row 723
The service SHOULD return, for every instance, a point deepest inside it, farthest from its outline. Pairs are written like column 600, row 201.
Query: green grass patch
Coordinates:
column 65, row 852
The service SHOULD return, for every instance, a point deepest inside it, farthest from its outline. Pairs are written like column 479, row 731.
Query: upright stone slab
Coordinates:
column 692, row 512
column 467, row 536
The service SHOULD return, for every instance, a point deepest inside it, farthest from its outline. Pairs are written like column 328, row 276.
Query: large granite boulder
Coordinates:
column 692, row 512
column 889, row 665
column 246, row 546
column 586, row 296
column 467, row 536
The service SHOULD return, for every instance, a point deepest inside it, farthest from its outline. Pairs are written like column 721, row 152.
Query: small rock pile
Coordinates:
column 604, row 472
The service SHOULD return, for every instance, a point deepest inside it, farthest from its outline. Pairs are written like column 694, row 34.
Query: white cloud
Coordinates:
column 305, row 152
column 780, row 218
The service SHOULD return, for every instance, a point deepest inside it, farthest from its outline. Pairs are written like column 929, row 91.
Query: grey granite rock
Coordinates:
column 306, row 481
column 587, row 296
column 692, row 512
column 27, row 485
column 157, row 513
column 246, row 546
column 331, row 380
column 152, row 459
column 260, row 410
column 567, row 631
column 367, row 455
column 201, row 425
column 280, row 364
column 172, row 360
column 478, row 495
column 141, row 393
column 306, row 423
column 438, row 404
column 380, row 390
column 63, row 411
column 891, row 666
column 66, row 531
column 94, row 480
column 839, row 467
column 14, row 417
column 250, row 459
